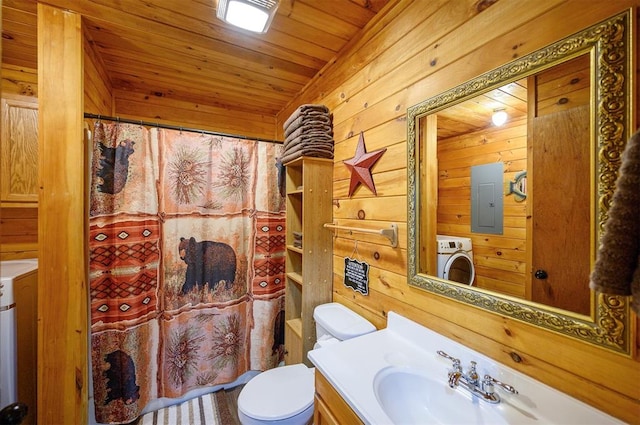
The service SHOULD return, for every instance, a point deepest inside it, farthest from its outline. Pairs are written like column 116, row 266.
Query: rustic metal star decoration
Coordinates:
column 360, row 166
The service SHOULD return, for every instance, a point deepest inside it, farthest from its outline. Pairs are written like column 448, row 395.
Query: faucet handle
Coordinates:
column 472, row 375
column 490, row 381
column 456, row 362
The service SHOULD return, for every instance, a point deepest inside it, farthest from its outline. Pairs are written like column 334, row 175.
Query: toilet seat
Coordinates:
column 278, row 393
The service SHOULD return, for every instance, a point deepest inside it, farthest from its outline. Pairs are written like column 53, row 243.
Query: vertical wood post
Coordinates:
column 62, row 234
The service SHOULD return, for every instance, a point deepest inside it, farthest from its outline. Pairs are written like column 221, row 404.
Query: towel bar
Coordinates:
column 390, row 233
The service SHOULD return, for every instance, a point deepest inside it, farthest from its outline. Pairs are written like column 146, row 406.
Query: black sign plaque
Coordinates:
column 356, row 275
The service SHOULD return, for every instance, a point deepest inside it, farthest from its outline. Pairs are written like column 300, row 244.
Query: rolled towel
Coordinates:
column 617, row 268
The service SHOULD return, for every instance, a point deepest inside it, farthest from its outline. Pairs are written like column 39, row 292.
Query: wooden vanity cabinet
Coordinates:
column 330, row 408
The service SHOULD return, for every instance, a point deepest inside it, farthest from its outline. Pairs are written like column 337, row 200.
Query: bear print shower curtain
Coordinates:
column 186, row 263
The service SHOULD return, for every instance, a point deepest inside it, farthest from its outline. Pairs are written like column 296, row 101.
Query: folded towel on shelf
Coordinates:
column 306, row 109
column 316, row 129
column 308, row 132
column 313, row 152
column 317, row 121
column 303, row 143
column 617, row 268
column 305, row 139
column 297, row 239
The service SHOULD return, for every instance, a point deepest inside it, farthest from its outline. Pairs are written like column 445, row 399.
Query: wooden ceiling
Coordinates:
column 475, row 114
column 179, row 49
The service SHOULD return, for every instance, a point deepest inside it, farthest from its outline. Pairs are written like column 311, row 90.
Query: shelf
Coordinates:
column 296, row 277
column 294, row 249
column 309, row 204
column 296, row 326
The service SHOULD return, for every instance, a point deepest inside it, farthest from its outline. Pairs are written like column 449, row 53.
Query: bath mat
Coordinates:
column 209, row 409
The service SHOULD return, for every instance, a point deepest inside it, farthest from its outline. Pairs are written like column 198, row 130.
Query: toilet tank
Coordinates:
column 337, row 321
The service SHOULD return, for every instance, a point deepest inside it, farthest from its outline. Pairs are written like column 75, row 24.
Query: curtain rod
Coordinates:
column 175, row 127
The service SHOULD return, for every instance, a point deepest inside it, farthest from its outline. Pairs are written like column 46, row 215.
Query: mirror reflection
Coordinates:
column 510, row 183
column 511, row 232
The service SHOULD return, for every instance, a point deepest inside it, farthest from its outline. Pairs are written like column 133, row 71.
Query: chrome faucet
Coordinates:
column 485, row 389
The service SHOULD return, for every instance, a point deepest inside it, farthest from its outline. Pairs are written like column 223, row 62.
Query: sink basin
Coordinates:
column 411, row 396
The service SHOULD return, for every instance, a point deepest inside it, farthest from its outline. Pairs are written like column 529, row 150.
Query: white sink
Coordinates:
column 412, row 396
column 396, row 376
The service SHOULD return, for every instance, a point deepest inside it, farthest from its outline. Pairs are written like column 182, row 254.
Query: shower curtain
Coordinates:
column 186, row 263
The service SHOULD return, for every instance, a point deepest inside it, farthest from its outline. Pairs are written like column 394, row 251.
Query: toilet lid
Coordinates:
column 278, row 393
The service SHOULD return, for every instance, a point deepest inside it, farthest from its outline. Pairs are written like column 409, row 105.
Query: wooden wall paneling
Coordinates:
column 424, row 48
column 431, row 43
column 180, row 113
column 19, row 22
column 19, row 80
column 62, row 280
column 370, row 95
column 98, row 95
column 389, row 208
column 432, row 58
column 360, row 50
column 19, row 225
column 18, row 251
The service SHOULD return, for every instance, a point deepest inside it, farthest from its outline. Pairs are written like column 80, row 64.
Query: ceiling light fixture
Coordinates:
column 251, row 15
column 499, row 117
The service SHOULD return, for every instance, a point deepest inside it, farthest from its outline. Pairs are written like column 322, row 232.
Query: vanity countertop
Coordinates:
column 352, row 365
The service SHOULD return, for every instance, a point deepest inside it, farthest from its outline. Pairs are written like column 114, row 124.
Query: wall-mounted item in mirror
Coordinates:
column 568, row 119
column 517, row 187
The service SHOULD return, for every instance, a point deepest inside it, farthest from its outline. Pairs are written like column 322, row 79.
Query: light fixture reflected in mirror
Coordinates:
column 251, row 15
column 499, row 117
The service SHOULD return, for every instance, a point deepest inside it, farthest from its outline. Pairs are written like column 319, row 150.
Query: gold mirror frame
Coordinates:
column 609, row 44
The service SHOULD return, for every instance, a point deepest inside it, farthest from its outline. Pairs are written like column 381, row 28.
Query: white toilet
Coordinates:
column 284, row 395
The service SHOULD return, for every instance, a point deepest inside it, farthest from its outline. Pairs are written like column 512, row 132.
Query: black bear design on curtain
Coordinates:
column 121, row 378
column 114, row 166
column 208, row 262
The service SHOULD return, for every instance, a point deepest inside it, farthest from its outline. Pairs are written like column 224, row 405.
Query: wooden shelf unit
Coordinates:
column 309, row 267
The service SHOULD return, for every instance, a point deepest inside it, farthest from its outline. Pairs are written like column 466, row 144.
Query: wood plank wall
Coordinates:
column 98, row 95
column 19, row 232
column 415, row 51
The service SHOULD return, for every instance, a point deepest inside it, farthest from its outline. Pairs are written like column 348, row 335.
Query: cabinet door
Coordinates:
column 19, row 151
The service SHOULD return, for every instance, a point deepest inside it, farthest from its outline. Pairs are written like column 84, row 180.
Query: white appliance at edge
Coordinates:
column 9, row 271
column 284, row 395
column 455, row 259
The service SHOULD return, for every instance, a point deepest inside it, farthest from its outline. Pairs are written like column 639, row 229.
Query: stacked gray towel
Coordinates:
column 617, row 269
column 308, row 132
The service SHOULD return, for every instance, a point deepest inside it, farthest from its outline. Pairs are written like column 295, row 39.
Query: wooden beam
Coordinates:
column 62, row 285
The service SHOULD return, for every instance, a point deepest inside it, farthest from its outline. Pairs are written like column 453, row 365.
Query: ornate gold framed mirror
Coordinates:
column 569, row 117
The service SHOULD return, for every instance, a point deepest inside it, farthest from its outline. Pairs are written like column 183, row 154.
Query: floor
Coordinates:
column 227, row 401
column 231, row 398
